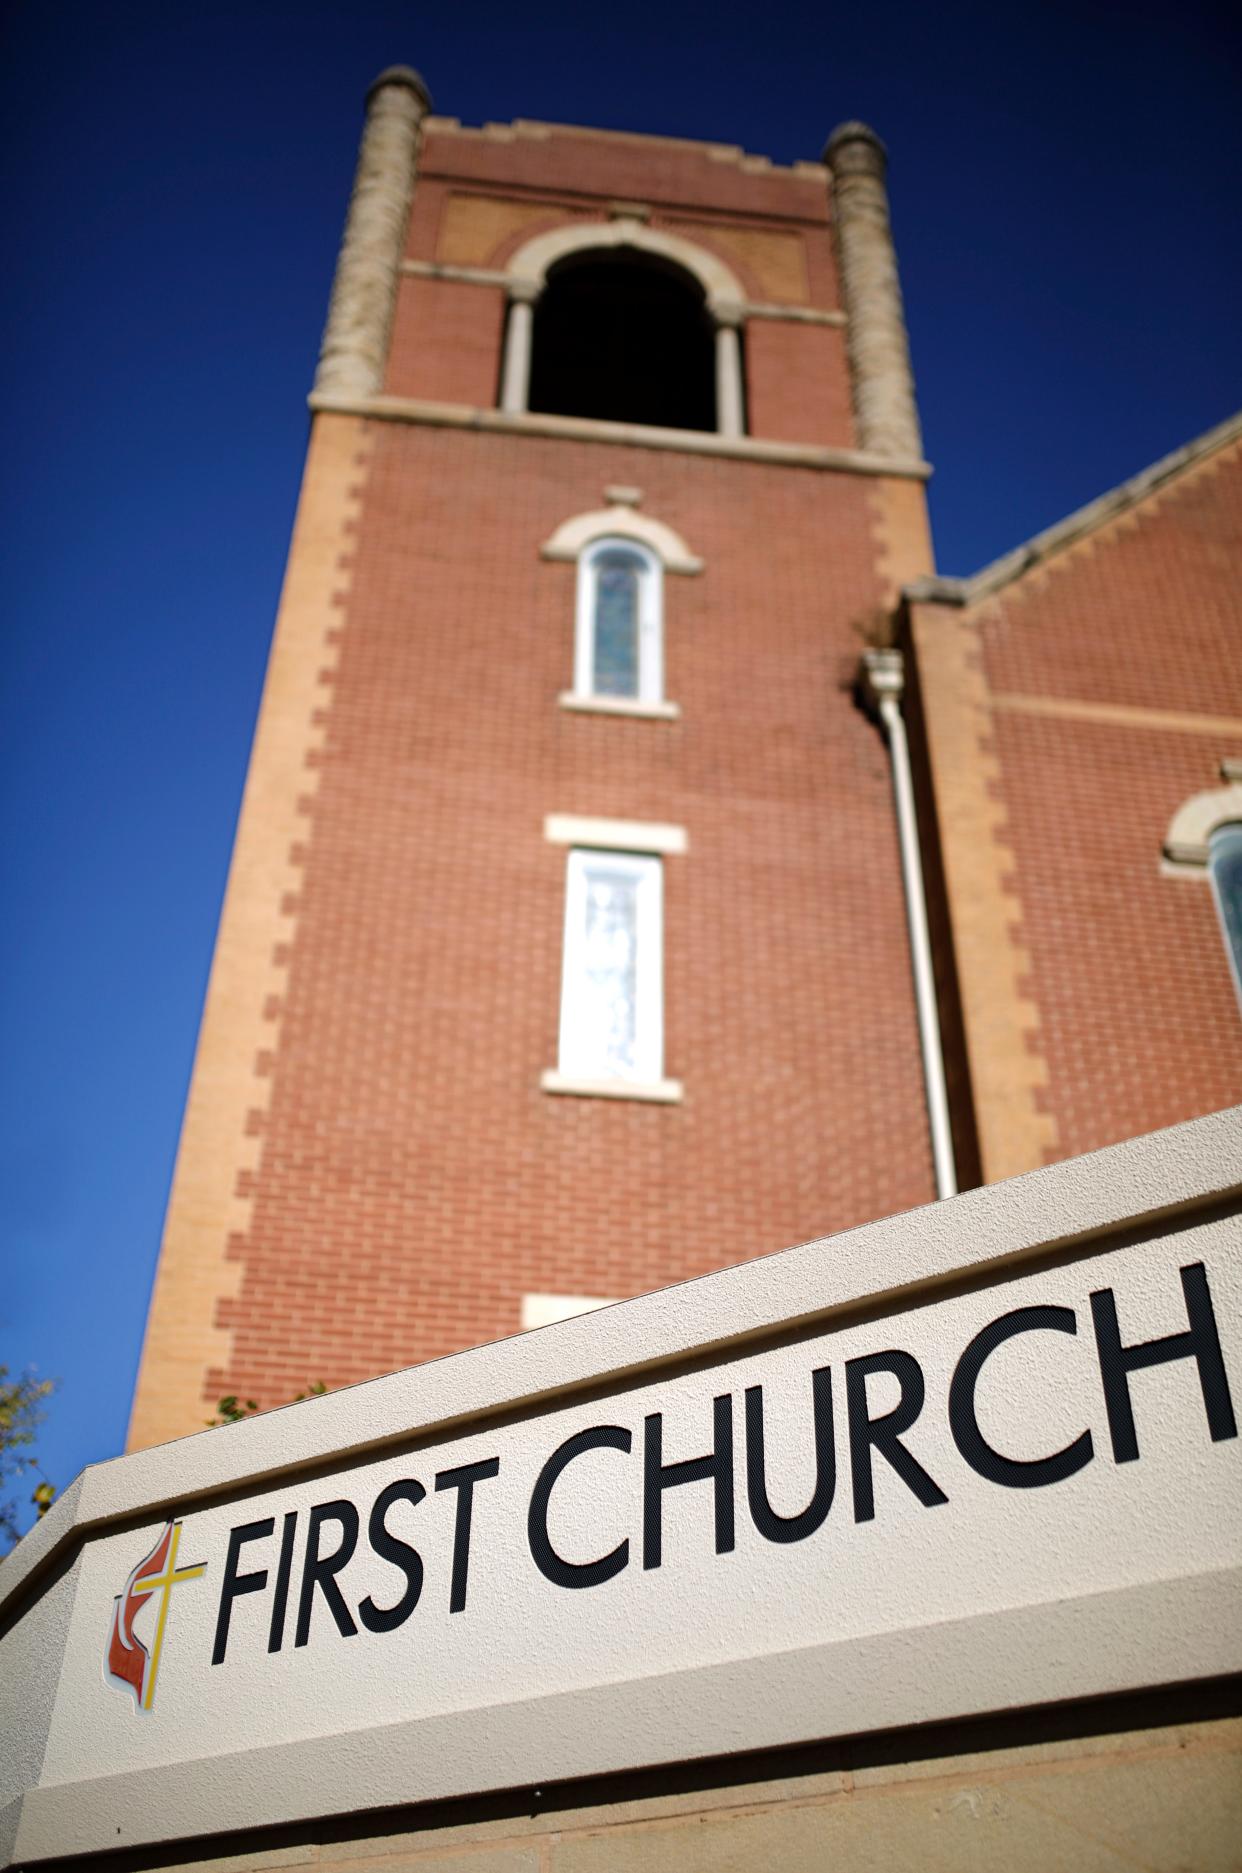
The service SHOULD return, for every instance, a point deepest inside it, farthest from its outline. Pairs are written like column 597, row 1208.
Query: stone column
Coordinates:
column 728, row 368
column 355, row 341
column 879, row 353
column 519, row 334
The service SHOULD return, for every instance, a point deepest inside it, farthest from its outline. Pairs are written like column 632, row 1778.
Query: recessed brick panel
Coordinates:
column 446, row 341
column 559, row 159
column 797, row 383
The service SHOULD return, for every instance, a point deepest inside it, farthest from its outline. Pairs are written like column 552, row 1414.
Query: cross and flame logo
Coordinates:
column 128, row 1664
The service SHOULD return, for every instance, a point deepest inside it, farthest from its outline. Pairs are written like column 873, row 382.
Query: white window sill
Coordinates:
column 661, row 1092
column 619, row 705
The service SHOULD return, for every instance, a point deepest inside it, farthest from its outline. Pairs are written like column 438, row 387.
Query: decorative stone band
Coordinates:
column 628, row 435
column 879, row 352
column 355, row 340
column 496, row 276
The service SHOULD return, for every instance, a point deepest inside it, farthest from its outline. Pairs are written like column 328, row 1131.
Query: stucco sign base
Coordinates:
column 976, row 1458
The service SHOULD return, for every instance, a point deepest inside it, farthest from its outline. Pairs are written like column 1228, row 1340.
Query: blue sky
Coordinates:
column 1064, row 186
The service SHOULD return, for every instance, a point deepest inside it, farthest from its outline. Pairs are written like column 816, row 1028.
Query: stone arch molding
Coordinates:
column 529, row 267
column 621, row 521
column 528, row 272
column 1192, row 826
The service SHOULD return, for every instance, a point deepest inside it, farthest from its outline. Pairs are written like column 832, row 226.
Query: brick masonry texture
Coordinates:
column 414, row 1181
column 404, row 1179
column 480, row 198
column 572, row 162
column 797, row 383
column 446, row 342
column 1137, row 1020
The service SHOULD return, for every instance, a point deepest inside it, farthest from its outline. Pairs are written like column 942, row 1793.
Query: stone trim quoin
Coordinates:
column 354, row 351
column 879, row 351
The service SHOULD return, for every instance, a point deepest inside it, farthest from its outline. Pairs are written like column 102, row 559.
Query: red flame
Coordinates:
column 128, row 1659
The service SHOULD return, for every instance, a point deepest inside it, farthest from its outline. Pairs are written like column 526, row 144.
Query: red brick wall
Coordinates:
column 797, row 383
column 565, row 162
column 445, row 343
column 415, row 1181
column 1144, row 613
column 770, row 227
column 1138, row 1020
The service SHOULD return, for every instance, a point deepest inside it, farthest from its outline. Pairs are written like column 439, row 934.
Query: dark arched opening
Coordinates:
column 626, row 337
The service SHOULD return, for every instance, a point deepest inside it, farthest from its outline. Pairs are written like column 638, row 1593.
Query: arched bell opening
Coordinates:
column 624, row 337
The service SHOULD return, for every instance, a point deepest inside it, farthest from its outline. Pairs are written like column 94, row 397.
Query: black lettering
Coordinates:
column 1013, row 1472
column 400, row 1553
column 321, row 1571
column 280, row 1598
column 463, row 1481
column 1201, row 1343
column 659, row 1476
column 235, row 1584
column 547, row 1560
column 771, row 1526
column 885, row 1433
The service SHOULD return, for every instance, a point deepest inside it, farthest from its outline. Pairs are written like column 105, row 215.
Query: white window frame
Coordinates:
column 650, row 621
column 579, row 1060
column 1218, row 898
column 1188, row 847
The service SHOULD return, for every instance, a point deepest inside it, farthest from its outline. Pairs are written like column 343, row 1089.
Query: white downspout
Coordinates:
column 886, row 681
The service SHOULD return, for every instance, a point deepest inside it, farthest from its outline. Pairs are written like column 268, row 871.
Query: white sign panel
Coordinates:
column 980, row 1457
column 1068, row 1435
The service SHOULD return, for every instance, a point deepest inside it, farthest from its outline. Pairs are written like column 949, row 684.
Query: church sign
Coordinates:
column 974, row 1458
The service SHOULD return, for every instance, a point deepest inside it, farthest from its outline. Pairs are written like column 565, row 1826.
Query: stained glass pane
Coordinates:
column 1225, row 861
column 615, row 670
column 610, row 999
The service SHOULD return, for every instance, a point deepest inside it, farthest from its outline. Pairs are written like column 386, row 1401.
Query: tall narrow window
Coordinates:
column 618, row 650
column 612, row 995
column 1225, row 870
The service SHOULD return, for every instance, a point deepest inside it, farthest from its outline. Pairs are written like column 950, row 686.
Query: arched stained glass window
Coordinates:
column 619, row 650
column 615, row 659
column 1225, row 870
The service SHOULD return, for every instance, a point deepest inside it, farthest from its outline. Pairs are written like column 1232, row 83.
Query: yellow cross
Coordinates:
column 167, row 1581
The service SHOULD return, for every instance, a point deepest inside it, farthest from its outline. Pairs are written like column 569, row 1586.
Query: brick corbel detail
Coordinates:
column 188, row 1342
column 1009, row 1075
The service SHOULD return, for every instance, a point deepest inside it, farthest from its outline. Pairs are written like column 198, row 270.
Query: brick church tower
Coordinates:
column 564, row 953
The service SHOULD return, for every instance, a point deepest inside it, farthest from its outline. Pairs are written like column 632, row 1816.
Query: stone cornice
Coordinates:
column 529, row 130
column 627, row 435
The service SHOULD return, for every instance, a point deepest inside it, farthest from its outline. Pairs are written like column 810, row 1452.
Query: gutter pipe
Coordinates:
column 885, row 684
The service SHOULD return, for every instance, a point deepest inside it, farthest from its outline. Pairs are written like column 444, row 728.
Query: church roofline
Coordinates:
column 937, row 589
column 528, row 129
